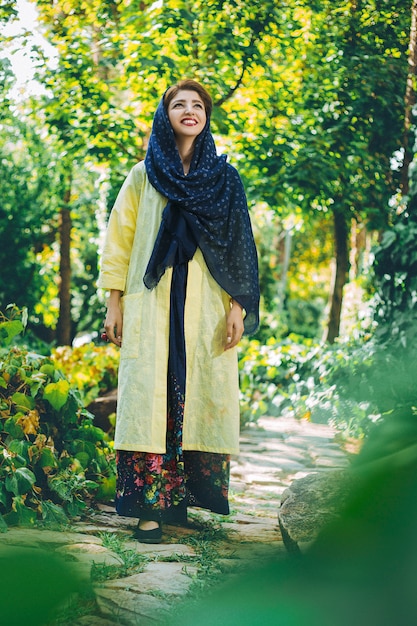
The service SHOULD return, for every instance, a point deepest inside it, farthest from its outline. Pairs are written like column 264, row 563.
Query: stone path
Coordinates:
column 273, row 454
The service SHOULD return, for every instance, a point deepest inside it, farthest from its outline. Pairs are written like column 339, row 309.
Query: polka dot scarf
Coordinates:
column 206, row 208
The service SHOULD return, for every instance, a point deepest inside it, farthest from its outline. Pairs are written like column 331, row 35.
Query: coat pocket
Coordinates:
column 132, row 315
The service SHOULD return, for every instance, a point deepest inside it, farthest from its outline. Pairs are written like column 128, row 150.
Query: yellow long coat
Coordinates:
column 211, row 411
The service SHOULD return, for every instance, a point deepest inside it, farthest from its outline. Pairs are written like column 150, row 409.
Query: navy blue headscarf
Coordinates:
column 206, row 208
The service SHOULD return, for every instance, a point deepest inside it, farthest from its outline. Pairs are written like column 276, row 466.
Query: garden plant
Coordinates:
column 53, row 460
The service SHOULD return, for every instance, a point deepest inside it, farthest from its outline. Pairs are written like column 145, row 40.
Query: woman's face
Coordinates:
column 187, row 114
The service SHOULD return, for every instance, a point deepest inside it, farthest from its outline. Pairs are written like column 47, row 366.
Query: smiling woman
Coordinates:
column 187, row 115
column 181, row 266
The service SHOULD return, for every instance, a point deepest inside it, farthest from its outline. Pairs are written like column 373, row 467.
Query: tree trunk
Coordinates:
column 410, row 100
column 341, row 235
column 64, row 326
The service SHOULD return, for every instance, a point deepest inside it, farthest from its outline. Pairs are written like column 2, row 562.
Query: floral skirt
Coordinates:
column 159, row 487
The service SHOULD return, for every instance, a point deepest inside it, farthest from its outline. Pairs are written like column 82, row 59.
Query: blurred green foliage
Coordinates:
column 36, row 584
column 309, row 380
column 359, row 570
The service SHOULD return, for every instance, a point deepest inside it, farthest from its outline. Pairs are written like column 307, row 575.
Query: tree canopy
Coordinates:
column 304, row 106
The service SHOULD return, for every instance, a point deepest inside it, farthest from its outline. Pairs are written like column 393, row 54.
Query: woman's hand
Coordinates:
column 113, row 324
column 234, row 326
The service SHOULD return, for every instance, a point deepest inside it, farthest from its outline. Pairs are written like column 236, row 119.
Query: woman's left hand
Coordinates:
column 234, row 326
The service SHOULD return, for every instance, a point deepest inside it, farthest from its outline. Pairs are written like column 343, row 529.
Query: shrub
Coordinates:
column 52, row 457
column 303, row 379
column 91, row 369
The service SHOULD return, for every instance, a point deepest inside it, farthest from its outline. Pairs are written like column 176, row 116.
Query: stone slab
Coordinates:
column 34, row 537
column 112, row 521
column 110, row 527
column 262, row 533
column 253, row 553
column 127, row 607
column 331, row 462
column 305, row 441
column 161, row 549
column 165, row 578
column 91, row 553
column 242, row 519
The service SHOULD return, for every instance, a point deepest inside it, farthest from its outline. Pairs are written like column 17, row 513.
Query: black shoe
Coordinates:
column 149, row 536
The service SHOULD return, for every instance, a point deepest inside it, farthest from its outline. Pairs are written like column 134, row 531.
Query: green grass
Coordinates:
column 132, row 562
column 207, row 559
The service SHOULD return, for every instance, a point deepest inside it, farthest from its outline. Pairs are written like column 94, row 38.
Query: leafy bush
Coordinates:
column 90, row 368
column 319, row 382
column 267, row 374
column 395, row 277
column 52, row 457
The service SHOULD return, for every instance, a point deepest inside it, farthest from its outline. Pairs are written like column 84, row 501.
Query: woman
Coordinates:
column 181, row 266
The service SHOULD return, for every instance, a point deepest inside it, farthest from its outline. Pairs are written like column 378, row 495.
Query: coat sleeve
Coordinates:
column 120, row 233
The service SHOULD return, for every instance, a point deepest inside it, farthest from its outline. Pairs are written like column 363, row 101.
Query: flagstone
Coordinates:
column 325, row 461
column 131, row 608
column 161, row 549
column 91, row 553
column 31, row 536
column 164, row 578
column 263, row 533
column 111, row 526
column 251, row 553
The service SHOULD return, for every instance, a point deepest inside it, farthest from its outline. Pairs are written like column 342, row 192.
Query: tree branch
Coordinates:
column 245, row 63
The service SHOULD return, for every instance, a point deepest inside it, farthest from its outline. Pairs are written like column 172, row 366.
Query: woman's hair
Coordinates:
column 189, row 85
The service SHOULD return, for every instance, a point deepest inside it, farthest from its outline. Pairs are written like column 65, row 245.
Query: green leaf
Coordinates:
column 9, row 330
column 48, row 369
column 53, row 514
column 22, row 401
column 57, row 393
column 75, row 507
column 90, row 484
column 21, row 481
column 91, row 433
column 84, row 458
column 10, row 426
column 3, row 495
column 61, row 487
column 107, row 488
column 47, row 459
column 20, row 447
column 79, row 445
column 21, row 514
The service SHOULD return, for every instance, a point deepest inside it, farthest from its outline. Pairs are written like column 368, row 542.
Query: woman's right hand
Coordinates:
column 113, row 324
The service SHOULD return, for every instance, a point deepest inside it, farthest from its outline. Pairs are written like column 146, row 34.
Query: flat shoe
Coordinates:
column 149, row 536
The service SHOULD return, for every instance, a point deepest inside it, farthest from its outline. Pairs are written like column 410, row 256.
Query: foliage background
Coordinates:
column 303, row 106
